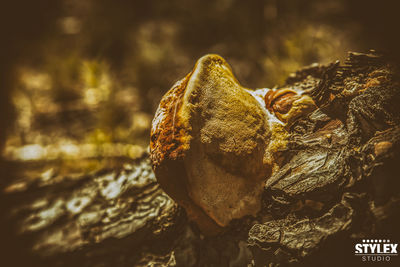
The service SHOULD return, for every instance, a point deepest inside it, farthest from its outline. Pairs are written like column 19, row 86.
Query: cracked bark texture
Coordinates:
column 338, row 184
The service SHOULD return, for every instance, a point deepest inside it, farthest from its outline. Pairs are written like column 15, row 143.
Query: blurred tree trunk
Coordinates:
column 23, row 25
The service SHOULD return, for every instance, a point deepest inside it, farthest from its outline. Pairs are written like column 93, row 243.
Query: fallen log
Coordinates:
column 336, row 185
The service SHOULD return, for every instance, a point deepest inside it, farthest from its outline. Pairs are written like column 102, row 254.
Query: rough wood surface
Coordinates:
column 338, row 184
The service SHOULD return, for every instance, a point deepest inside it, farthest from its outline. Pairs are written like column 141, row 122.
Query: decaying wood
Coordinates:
column 338, row 184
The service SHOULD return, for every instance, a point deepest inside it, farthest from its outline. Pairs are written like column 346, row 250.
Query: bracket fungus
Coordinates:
column 213, row 143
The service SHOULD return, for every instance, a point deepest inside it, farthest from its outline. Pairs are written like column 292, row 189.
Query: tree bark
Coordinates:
column 337, row 186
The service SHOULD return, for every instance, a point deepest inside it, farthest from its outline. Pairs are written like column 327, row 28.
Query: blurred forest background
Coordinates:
column 83, row 78
column 80, row 81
